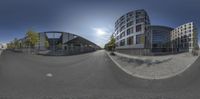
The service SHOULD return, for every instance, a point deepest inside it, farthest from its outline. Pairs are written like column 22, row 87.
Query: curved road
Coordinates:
column 85, row 76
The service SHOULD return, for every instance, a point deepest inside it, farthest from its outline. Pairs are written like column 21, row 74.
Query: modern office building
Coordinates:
column 184, row 38
column 130, row 30
column 135, row 35
column 60, row 41
column 63, row 42
column 158, row 39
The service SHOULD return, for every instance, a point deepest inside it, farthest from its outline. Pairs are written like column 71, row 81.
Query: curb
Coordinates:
column 178, row 81
column 139, row 58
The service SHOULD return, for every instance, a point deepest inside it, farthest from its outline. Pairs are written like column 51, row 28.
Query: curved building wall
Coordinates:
column 130, row 29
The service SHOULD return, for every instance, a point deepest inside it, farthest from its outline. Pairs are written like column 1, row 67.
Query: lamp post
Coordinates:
column 54, row 43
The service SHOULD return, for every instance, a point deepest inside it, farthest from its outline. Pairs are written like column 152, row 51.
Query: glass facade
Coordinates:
column 160, row 38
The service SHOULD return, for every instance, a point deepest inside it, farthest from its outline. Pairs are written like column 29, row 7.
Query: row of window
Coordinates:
column 130, row 40
column 139, row 15
column 182, row 40
column 185, row 25
column 130, row 31
column 182, row 45
column 130, row 23
column 138, row 28
column 180, row 35
column 183, row 29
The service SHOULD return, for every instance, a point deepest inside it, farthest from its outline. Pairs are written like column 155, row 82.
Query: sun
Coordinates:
column 99, row 31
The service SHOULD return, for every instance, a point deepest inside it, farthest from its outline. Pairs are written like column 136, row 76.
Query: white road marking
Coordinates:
column 49, row 75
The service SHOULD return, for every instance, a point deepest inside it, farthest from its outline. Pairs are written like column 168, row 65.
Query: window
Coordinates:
column 122, row 23
column 122, row 18
column 189, row 39
column 117, row 37
column 130, row 40
column 122, row 34
column 190, row 45
column 130, row 14
column 138, row 13
column 122, row 42
column 140, row 39
column 129, row 31
column 140, row 20
column 128, row 19
column 122, row 28
column 129, row 24
column 138, row 28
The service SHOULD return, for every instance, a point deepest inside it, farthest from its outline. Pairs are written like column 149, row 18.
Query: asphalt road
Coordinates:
column 1, row 51
column 85, row 76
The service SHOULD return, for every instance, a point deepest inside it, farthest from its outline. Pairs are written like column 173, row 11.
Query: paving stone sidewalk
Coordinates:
column 154, row 67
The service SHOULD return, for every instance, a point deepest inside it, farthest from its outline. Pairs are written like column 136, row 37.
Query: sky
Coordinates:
column 91, row 19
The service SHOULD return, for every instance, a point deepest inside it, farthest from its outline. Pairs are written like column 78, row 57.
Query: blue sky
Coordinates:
column 92, row 19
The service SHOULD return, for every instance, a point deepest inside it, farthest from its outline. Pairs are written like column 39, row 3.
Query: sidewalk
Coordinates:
column 147, row 59
column 153, row 67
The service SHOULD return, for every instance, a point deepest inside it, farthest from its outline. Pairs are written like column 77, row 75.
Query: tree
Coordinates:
column 46, row 44
column 32, row 38
column 111, row 44
column 11, row 45
column 59, row 46
column 16, row 43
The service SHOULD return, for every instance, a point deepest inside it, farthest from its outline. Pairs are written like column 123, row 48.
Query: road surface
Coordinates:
column 85, row 76
column 1, row 51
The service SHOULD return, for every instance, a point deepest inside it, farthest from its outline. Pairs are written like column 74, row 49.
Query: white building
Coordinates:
column 130, row 29
column 184, row 38
column 3, row 46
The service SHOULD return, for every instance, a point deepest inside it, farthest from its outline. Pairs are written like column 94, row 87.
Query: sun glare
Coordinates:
column 99, row 31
